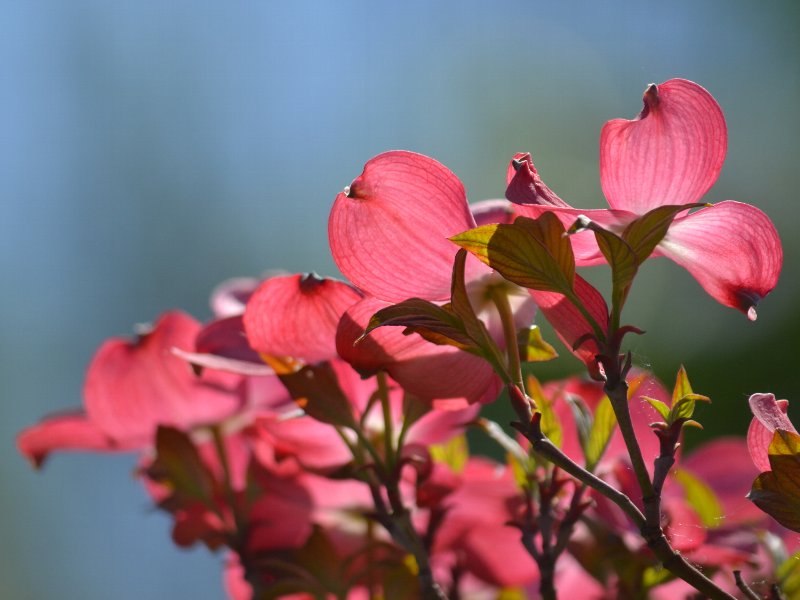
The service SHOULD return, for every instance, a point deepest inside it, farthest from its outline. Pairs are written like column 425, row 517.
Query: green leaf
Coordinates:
column 600, row 434
column 777, row 492
column 701, row 498
column 473, row 326
column 684, row 408
column 619, row 255
column 784, row 443
column 454, row 324
column 788, row 575
column 662, row 408
column 533, row 253
column 654, row 576
column 646, row 232
column 435, row 323
column 583, row 421
column 399, row 583
column 453, row 453
column 550, row 423
column 512, row 594
column 519, row 470
column 682, row 386
column 768, row 495
column 683, row 398
column 316, row 390
column 178, row 464
column 532, row 347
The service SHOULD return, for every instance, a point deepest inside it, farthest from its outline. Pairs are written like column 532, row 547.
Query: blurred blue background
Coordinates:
column 150, row 150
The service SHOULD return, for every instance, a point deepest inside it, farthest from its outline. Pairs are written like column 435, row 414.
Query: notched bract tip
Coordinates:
column 650, row 96
column 309, row 281
column 746, row 301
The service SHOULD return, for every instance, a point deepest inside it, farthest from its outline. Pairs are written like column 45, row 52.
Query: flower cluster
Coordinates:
column 315, row 429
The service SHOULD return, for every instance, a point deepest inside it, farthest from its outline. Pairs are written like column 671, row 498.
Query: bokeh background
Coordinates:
column 150, row 150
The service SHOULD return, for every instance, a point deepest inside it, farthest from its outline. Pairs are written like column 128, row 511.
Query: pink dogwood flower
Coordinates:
column 131, row 388
column 671, row 154
column 769, row 414
column 388, row 233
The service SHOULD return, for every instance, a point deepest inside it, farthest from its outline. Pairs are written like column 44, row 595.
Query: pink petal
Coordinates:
column 420, row 367
column 280, row 517
column 769, row 414
column 532, row 198
column 236, row 585
column 297, row 316
column 569, row 323
column 684, row 528
column 711, row 463
column 526, row 187
column 222, row 345
column 72, row 431
column 486, row 212
column 438, row 426
column 510, row 568
column 732, row 250
column 134, row 386
column 358, row 389
column 389, row 230
column 223, row 363
column 230, row 297
column 671, row 153
column 314, row 444
column 476, row 523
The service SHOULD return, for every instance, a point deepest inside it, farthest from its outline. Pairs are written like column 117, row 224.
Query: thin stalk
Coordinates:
column 617, row 390
column 388, row 433
column 222, row 453
column 618, row 394
column 397, row 519
column 544, row 447
column 655, row 538
column 500, row 299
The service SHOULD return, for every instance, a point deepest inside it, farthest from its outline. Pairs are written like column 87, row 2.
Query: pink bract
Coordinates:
column 424, row 369
column 769, row 414
column 671, row 154
column 297, row 316
column 389, row 229
column 132, row 387
column 389, row 235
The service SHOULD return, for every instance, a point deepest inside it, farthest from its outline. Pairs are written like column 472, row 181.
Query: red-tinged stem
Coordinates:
column 655, row 538
column 396, row 518
column 745, row 589
column 545, row 448
column 617, row 390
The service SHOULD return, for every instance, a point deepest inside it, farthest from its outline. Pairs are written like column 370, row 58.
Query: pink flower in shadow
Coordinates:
column 671, row 154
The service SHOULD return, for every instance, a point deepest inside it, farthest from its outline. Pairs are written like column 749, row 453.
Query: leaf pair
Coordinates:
column 454, row 324
column 533, row 253
column 681, row 411
column 626, row 252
